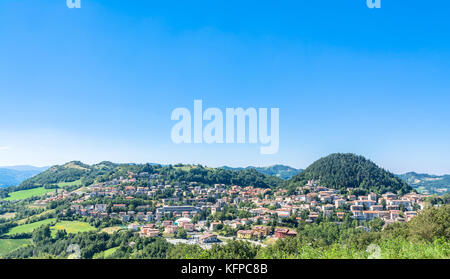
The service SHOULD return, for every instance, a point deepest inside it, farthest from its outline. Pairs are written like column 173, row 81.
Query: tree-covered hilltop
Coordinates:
column 341, row 171
column 106, row 171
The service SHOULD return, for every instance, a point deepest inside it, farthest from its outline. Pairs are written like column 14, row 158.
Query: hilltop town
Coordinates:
column 129, row 210
column 206, row 213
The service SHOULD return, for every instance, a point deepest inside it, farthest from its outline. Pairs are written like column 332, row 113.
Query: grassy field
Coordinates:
column 35, row 206
column 270, row 240
column 25, row 194
column 111, row 230
column 28, row 228
column 72, row 227
column 9, row 245
column 7, row 215
column 23, row 221
column 105, row 254
column 67, row 184
column 189, row 167
column 81, row 189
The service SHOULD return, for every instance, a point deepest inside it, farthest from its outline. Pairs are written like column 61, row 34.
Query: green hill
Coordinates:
column 65, row 173
column 87, row 174
column 342, row 171
column 426, row 183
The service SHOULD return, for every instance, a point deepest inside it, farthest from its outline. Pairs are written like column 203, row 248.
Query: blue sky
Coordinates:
column 100, row 82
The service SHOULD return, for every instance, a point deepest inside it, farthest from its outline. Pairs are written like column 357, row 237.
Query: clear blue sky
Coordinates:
column 100, row 82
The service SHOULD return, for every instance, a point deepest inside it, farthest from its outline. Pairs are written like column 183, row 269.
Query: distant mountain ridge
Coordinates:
column 427, row 183
column 281, row 171
column 25, row 168
column 14, row 175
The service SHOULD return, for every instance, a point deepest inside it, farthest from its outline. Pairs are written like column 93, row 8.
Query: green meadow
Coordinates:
column 72, row 227
column 105, row 254
column 29, row 228
column 25, row 194
column 67, row 184
column 23, row 221
column 8, row 215
column 9, row 245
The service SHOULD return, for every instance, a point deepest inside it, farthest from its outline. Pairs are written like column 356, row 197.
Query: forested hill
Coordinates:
column 341, row 171
column 106, row 171
column 281, row 171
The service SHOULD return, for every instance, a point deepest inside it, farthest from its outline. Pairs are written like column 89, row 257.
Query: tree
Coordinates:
column 376, row 225
column 182, row 233
column 431, row 223
column 234, row 250
column 186, row 251
column 60, row 234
